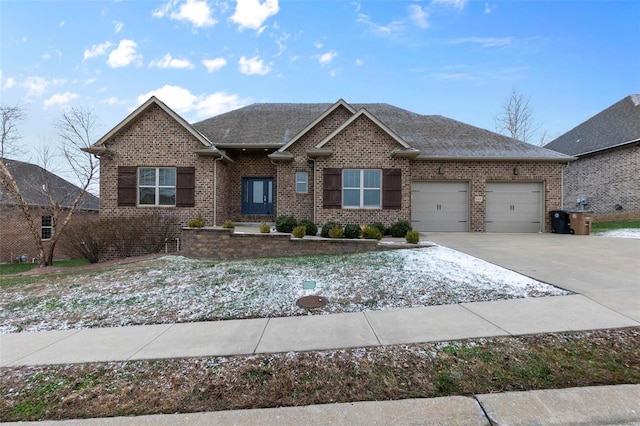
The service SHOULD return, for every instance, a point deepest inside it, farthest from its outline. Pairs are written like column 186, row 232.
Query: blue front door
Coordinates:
column 257, row 196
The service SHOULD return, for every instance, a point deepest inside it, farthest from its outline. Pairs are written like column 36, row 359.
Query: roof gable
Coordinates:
column 613, row 127
column 143, row 108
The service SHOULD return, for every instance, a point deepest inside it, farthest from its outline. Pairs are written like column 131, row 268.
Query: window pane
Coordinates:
column 46, row 220
column 167, row 197
column 351, row 198
column 371, row 198
column 46, row 233
column 167, row 177
column 301, row 182
column 301, row 187
column 147, row 195
column 270, row 191
column 351, row 178
column 258, row 191
column 372, row 178
column 147, row 177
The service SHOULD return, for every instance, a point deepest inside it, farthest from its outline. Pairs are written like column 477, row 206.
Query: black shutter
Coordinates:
column 392, row 189
column 127, row 185
column 332, row 188
column 185, row 186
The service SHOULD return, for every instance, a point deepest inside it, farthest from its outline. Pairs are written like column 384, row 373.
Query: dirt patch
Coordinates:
column 548, row 361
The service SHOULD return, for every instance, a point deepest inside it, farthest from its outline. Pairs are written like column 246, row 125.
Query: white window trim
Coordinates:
column 362, row 188
column 43, row 227
column 305, row 182
column 157, row 187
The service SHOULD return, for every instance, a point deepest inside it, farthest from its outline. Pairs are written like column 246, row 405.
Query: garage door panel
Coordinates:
column 514, row 207
column 439, row 206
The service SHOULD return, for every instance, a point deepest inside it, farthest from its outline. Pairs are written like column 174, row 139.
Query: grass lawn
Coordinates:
column 545, row 361
column 16, row 268
column 613, row 225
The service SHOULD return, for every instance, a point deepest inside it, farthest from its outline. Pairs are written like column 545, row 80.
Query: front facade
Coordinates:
column 605, row 177
column 357, row 164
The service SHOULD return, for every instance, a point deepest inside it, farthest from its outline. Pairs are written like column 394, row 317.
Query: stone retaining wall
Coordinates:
column 224, row 244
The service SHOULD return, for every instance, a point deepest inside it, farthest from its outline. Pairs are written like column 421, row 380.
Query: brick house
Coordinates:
column 607, row 169
column 15, row 238
column 350, row 163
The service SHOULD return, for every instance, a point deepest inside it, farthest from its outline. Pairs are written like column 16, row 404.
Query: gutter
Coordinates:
column 620, row 145
column 532, row 159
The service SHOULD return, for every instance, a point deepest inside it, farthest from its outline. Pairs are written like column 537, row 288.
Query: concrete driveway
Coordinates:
column 604, row 269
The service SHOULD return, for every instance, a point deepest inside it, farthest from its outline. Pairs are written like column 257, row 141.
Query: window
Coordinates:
column 46, row 227
column 302, row 182
column 361, row 188
column 157, row 186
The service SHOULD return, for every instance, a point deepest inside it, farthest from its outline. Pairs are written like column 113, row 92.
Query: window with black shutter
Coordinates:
column 127, row 187
column 392, row 189
column 332, row 189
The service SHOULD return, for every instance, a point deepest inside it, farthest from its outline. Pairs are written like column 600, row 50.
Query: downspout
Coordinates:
column 313, row 171
column 215, row 190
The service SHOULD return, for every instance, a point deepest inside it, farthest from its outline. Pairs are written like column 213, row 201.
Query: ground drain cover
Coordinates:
column 311, row 302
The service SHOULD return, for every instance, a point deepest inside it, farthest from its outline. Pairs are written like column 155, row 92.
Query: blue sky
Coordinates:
column 456, row 58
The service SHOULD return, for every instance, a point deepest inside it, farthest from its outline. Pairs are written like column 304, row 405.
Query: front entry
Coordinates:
column 257, row 196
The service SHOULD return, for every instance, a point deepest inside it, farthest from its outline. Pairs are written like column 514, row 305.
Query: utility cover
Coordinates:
column 312, row 302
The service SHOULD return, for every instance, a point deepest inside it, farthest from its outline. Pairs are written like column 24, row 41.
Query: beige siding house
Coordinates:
column 349, row 163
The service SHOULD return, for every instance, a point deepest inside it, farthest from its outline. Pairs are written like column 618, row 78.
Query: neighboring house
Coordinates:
column 606, row 176
column 32, row 180
column 349, row 163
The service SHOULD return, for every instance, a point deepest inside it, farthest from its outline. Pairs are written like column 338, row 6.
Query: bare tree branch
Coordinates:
column 516, row 118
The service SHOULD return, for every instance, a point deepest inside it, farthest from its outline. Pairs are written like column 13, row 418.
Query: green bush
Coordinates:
column 264, row 228
column 324, row 232
column 336, row 232
column 352, row 231
column 379, row 226
column 312, row 228
column 285, row 224
column 400, row 229
column 198, row 222
column 371, row 233
column 413, row 237
column 228, row 225
column 299, row 231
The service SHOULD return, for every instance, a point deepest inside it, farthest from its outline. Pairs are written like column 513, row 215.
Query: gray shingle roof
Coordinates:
column 619, row 124
column 435, row 136
column 31, row 179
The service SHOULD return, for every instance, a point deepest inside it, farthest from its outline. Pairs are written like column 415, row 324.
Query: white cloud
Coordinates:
column 326, row 58
column 167, row 61
column 251, row 14
column 46, row 56
column 196, row 12
column 183, row 101
column 61, row 24
column 110, row 101
column 124, row 55
column 97, row 50
column 484, row 41
column 452, row 76
column 419, row 15
column 318, row 45
column 458, row 4
column 60, row 99
column 118, row 26
column 35, row 85
column 359, row 62
column 251, row 66
column 213, row 65
column 9, row 83
column 391, row 28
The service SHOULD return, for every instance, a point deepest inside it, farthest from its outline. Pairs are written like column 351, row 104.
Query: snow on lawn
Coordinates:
column 176, row 289
column 620, row 233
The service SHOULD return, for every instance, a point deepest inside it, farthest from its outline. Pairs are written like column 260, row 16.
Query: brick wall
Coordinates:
column 607, row 179
column 248, row 164
column 224, row 244
column 16, row 239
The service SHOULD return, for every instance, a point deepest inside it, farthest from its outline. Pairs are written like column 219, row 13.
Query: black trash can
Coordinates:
column 560, row 222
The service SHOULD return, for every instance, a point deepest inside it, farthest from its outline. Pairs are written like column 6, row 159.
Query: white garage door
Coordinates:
column 440, row 206
column 514, row 207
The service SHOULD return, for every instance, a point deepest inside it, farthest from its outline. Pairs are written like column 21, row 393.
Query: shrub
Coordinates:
column 198, row 222
column 299, row 231
column 228, row 225
column 324, row 232
column 379, row 226
column 371, row 233
column 413, row 237
column 264, row 228
column 400, row 228
column 352, row 231
column 336, row 231
column 87, row 239
column 312, row 228
column 146, row 234
column 285, row 224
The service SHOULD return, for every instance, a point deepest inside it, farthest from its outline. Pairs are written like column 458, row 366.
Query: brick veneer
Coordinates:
column 607, row 179
column 224, row 244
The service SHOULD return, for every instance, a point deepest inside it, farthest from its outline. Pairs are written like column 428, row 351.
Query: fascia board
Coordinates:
column 377, row 122
column 321, row 117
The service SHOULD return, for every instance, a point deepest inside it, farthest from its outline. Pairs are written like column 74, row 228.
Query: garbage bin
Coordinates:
column 560, row 222
column 580, row 222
